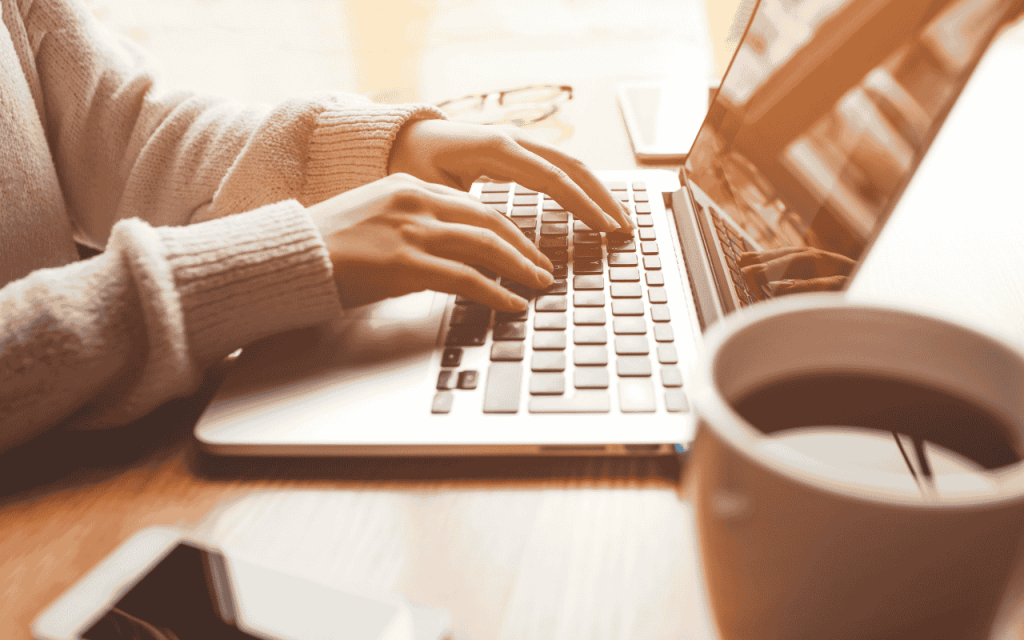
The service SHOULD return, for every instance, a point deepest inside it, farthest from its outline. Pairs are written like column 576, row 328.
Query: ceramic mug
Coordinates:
column 856, row 472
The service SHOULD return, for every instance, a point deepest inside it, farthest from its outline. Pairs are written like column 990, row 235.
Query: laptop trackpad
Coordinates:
column 363, row 358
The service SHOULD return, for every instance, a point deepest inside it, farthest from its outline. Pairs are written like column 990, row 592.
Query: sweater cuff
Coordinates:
column 351, row 148
column 248, row 276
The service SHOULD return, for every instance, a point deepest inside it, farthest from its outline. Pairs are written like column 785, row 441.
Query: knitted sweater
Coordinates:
column 197, row 203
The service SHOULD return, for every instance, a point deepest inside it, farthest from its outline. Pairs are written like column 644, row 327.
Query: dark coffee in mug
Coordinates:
column 921, row 412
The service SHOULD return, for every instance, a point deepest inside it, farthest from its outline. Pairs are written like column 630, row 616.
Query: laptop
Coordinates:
column 821, row 119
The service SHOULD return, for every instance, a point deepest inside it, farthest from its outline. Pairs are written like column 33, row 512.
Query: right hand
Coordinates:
column 400, row 235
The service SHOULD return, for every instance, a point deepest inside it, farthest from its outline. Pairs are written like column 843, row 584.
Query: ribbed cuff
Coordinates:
column 247, row 276
column 351, row 148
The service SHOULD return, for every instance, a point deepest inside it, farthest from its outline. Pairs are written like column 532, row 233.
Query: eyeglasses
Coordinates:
column 519, row 107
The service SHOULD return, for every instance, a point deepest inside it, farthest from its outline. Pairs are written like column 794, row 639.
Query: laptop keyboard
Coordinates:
column 733, row 245
column 602, row 328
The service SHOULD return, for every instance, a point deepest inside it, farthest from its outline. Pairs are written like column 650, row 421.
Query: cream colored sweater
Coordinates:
column 197, row 202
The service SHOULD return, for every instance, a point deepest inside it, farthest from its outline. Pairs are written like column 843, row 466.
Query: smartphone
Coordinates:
column 159, row 585
column 663, row 117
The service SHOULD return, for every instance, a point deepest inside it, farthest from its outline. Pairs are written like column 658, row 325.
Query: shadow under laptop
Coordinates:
column 455, row 472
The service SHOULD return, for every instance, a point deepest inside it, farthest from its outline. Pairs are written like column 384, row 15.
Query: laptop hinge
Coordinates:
column 698, row 270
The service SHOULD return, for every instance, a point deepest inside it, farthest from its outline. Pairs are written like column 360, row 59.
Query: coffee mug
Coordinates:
column 856, row 472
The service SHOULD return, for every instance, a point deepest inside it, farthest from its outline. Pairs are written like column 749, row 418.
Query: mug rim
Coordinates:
column 716, row 414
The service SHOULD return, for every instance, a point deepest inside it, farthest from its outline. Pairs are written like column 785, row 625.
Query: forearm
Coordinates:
column 140, row 322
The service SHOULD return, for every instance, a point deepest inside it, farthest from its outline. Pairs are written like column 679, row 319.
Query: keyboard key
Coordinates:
column 554, row 229
column 588, row 266
column 501, row 394
column 627, row 308
column 555, row 216
column 590, row 356
column 636, row 395
column 502, row 317
column 508, row 351
column 551, row 303
column 657, row 295
column 660, row 314
column 525, row 224
column 524, row 200
column 470, row 314
column 493, row 187
column 624, row 274
column 621, row 260
column 616, row 185
column 583, row 401
column 633, row 366
column 524, row 212
column 500, row 208
column 579, row 226
column 643, row 207
column 645, row 220
column 551, row 205
column 529, row 234
column 591, row 378
column 589, row 335
column 586, row 238
column 560, row 271
column 548, row 361
column 523, row 191
column 640, row 197
column 510, row 331
column 549, row 340
column 623, row 197
column 675, row 400
column 631, row 345
column 461, row 299
column 547, row 384
column 646, row 234
column 558, row 288
column 582, row 283
column 586, row 253
column 652, row 263
column 451, row 357
column 649, row 248
column 442, row 402
column 629, row 325
column 553, row 242
column 494, row 198
column 667, row 353
column 588, row 299
column 663, row 333
column 621, row 246
column 588, row 316
column 655, row 279
column 671, row 376
column 556, row 256
column 445, row 380
column 468, row 379
column 639, row 185
column 549, row 321
column 625, row 290
column 466, row 336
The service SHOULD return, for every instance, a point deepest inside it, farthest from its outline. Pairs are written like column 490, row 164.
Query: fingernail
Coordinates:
column 610, row 223
column 544, row 276
column 519, row 304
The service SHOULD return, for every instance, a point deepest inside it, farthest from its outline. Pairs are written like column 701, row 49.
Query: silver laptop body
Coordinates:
column 825, row 113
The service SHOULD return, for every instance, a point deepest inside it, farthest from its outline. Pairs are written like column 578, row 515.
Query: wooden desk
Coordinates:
column 512, row 548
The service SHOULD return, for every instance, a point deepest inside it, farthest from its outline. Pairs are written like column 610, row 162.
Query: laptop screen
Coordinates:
column 824, row 113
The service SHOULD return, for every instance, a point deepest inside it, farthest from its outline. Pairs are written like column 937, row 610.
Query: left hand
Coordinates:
column 457, row 154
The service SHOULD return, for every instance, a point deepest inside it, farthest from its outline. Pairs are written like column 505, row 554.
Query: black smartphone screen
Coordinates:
column 185, row 597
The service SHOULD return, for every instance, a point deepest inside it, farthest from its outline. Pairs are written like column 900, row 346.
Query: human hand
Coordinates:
column 400, row 235
column 457, row 154
column 795, row 270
